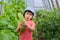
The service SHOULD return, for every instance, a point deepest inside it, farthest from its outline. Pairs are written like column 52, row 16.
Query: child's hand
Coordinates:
column 19, row 26
column 25, row 23
column 32, row 28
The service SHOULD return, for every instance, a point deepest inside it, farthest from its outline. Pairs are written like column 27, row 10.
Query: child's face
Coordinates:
column 28, row 16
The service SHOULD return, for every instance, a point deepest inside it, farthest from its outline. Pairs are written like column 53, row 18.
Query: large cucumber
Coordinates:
column 21, row 19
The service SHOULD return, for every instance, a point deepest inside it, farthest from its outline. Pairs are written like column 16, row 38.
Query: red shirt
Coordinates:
column 27, row 34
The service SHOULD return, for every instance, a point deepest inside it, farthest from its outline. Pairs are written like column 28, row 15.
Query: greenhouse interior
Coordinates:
column 46, row 19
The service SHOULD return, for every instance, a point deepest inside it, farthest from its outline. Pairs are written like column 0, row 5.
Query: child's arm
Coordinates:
column 32, row 28
column 18, row 28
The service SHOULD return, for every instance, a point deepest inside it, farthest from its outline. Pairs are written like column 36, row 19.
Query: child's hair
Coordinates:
column 30, row 12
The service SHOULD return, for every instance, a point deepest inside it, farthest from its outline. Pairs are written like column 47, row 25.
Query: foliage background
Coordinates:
column 48, row 24
column 9, row 18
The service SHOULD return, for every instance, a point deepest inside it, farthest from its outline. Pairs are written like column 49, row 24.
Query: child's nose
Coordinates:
column 28, row 15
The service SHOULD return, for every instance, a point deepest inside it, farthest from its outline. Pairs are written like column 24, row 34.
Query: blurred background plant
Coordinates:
column 48, row 24
column 9, row 18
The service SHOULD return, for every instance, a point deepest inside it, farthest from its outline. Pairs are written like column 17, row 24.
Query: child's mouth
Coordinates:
column 28, row 18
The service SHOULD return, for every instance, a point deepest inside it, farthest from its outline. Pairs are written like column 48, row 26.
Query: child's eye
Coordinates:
column 27, row 13
column 30, row 14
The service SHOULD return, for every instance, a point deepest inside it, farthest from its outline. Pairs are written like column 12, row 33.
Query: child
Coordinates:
column 29, row 24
